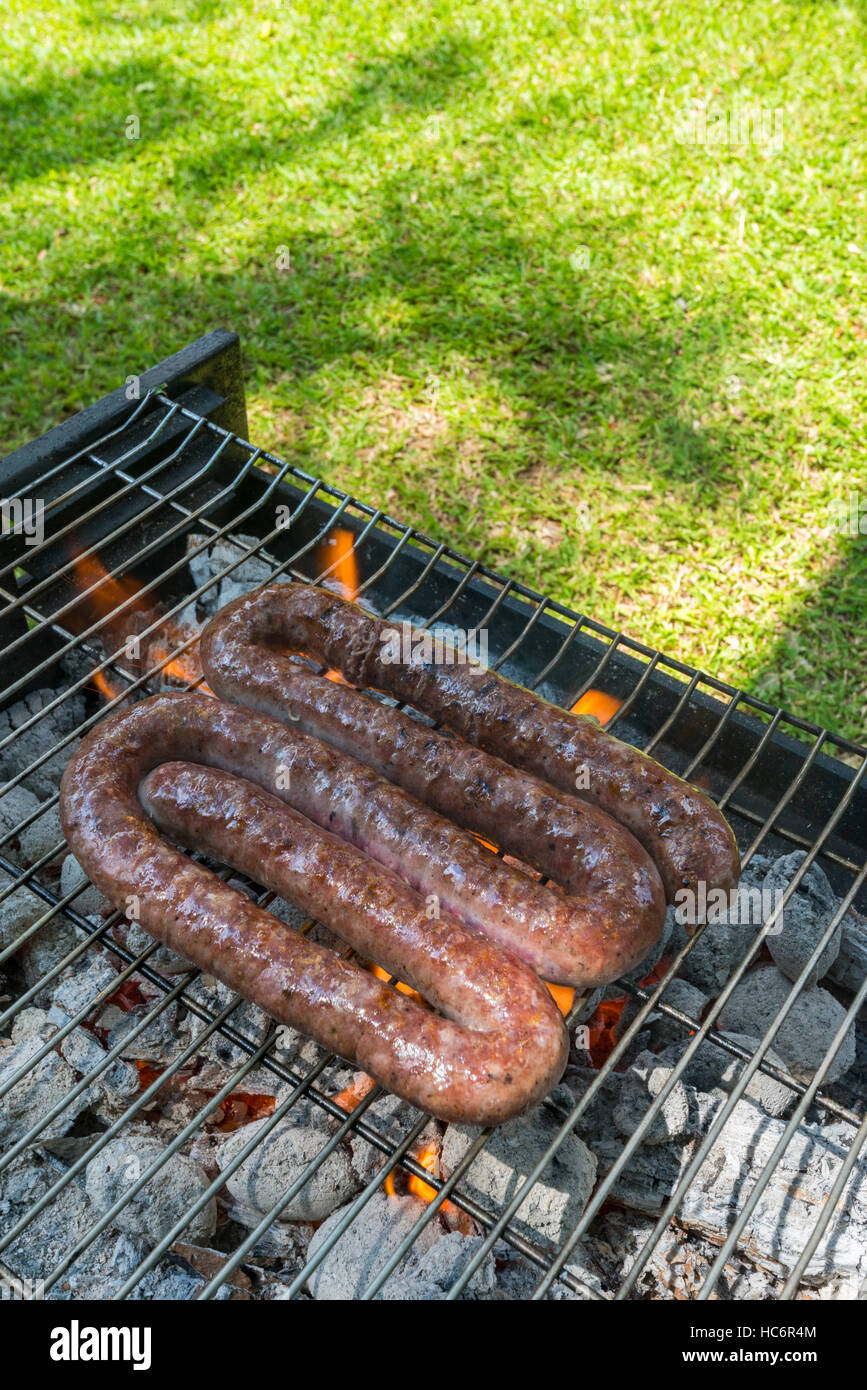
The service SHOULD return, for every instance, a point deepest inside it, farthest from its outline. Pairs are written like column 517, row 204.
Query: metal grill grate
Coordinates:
column 131, row 497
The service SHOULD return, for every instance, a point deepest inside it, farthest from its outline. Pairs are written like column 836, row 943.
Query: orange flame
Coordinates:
column 184, row 669
column 381, row 974
column 108, row 592
column 104, row 686
column 429, row 1159
column 596, row 702
column 337, row 557
column 104, row 594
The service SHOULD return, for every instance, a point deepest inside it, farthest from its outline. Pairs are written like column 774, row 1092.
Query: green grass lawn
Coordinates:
column 519, row 310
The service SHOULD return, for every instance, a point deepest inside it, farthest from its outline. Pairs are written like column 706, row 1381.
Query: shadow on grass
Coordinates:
column 568, row 352
column 81, row 120
column 827, row 637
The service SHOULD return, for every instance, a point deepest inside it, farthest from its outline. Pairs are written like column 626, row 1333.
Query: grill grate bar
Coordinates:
column 273, row 1213
column 497, row 1224
column 213, row 1188
column 134, row 521
column 120, row 608
column 715, row 1009
column 753, row 1062
column 575, row 1114
column 676, row 1072
column 790, row 1288
column 690, row 1025
column 428, row 1215
column 800, row 1111
column 84, row 483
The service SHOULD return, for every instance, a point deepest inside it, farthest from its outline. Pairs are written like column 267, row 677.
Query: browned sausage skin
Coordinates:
column 547, row 929
column 681, row 829
column 615, row 906
column 502, row 1045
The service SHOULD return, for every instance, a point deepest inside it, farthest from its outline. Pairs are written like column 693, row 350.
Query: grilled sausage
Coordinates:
column 680, row 828
column 547, row 929
column 502, row 1044
column 616, row 904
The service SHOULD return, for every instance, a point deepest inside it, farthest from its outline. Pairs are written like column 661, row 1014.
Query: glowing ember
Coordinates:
column 563, row 995
column 354, row 1094
column 596, row 702
column 240, row 1108
column 381, row 974
column 602, row 1029
column 602, row 1025
column 337, row 563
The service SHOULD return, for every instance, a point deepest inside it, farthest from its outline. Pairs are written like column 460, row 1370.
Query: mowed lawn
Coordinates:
column 484, row 277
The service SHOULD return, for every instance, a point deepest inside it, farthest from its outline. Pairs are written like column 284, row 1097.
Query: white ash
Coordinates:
column 390, row 1117
column 247, row 1019
column 161, row 1041
column 680, row 1113
column 432, row 1275
column 80, row 1049
column 89, row 902
column 84, row 1052
column 850, row 967
column 677, row 1266
column 712, row 959
column 372, row 1238
column 559, row 1196
column 17, row 912
column 214, row 559
column 650, row 1174
column 282, row 1241
column 15, row 806
column 805, row 1035
column 713, row 1069
column 165, row 1197
column 30, row 744
column 279, row 1160
column 89, row 977
column 517, row 1278
column 101, row 1270
column 805, row 918
column 30, row 1022
column 787, row 1210
column 793, row 1199
column 44, row 1084
column 45, row 950
column 41, row 837
column 163, row 959
column 689, row 1000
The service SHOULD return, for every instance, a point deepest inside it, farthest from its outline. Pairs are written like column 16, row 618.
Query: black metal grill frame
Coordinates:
column 200, row 432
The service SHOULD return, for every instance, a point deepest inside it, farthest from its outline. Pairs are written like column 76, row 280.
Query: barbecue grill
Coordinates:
column 162, row 469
